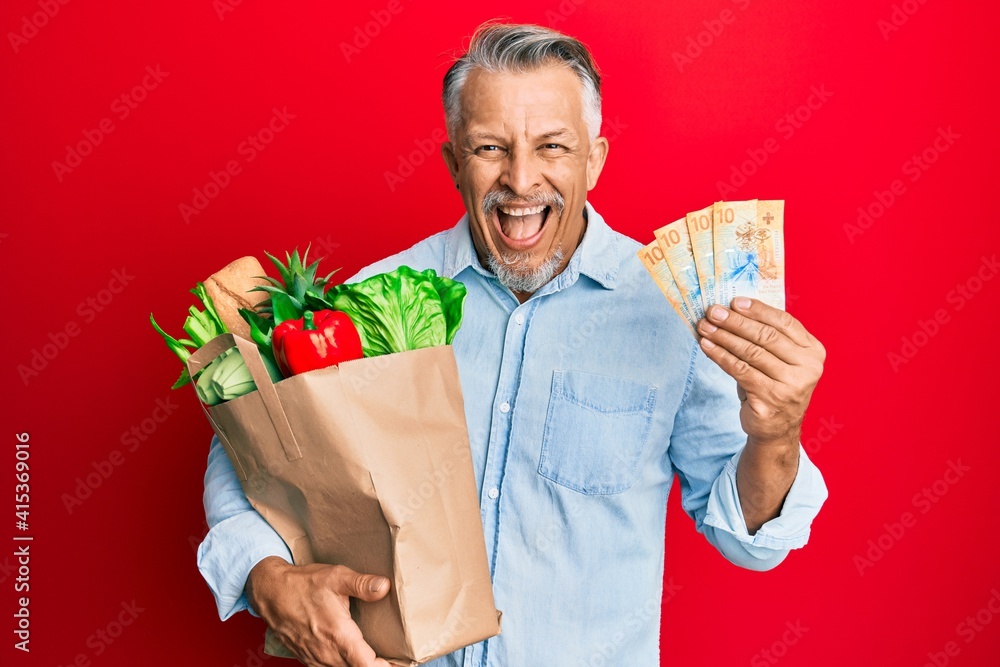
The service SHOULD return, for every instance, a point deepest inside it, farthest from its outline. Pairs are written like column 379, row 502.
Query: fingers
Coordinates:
column 367, row 587
column 339, row 644
column 770, row 337
column 310, row 614
column 746, row 375
column 775, row 317
column 745, row 350
column 353, row 649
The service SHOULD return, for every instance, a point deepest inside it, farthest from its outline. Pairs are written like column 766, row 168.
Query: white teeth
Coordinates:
column 522, row 211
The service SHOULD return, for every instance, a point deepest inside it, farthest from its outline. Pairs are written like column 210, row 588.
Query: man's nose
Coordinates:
column 524, row 172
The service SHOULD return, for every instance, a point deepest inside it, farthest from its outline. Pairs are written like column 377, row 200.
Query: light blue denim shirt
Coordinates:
column 581, row 404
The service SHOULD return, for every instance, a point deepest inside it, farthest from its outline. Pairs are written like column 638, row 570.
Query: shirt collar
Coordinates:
column 596, row 257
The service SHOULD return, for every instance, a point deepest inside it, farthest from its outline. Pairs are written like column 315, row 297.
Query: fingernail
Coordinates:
column 741, row 302
column 719, row 314
column 375, row 585
column 707, row 327
column 707, row 344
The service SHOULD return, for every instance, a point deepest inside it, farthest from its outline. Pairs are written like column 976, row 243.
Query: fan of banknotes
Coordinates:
column 723, row 251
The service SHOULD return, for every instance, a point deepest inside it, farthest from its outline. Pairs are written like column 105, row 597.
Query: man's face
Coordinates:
column 524, row 163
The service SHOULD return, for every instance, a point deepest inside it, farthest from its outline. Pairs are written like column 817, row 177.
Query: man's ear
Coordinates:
column 448, row 153
column 595, row 161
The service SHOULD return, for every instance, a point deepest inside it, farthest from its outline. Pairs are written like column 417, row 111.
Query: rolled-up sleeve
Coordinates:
column 238, row 537
column 789, row 530
column 705, row 449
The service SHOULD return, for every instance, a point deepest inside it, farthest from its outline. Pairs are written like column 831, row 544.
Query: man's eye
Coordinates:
column 552, row 147
column 490, row 152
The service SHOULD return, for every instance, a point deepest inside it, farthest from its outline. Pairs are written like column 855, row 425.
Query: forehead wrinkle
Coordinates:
column 503, row 103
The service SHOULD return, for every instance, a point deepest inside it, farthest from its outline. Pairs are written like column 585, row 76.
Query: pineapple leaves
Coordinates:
column 296, row 291
column 283, row 308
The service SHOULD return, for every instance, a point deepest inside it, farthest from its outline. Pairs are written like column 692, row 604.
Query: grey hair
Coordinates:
column 518, row 48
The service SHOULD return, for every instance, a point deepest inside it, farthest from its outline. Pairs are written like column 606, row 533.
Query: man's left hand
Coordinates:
column 775, row 361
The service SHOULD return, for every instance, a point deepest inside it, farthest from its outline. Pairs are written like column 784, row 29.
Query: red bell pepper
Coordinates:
column 320, row 339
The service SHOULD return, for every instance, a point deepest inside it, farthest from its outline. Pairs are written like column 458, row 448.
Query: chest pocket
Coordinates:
column 596, row 430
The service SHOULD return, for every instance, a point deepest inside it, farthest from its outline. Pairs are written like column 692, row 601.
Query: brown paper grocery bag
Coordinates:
column 368, row 465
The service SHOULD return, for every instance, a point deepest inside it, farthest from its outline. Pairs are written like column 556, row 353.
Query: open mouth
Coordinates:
column 521, row 227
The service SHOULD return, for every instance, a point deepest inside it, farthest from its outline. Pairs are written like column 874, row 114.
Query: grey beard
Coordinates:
column 513, row 273
column 512, row 270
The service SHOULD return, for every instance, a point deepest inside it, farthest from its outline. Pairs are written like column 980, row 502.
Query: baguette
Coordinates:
column 230, row 288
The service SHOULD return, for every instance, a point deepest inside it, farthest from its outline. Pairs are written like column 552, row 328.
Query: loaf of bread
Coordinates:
column 230, row 288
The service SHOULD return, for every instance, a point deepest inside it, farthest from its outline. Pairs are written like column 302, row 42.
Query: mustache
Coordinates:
column 494, row 199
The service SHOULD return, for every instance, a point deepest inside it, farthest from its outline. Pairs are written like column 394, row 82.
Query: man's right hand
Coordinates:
column 308, row 607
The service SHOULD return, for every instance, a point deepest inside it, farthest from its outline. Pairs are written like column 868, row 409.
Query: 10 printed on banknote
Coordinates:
column 723, row 251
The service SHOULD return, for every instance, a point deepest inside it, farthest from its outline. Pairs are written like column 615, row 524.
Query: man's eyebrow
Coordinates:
column 559, row 133
column 482, row 136
column 556, row 134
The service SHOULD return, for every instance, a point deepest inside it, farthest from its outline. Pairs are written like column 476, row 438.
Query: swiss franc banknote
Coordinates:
column 699, row 224
column 653, row 259
column 675, row 243
column 718, row 253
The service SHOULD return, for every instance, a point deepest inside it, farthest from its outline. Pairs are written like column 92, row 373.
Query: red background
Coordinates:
column 676, row 131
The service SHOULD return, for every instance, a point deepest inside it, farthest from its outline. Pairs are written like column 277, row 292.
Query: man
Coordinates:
column 584, row 394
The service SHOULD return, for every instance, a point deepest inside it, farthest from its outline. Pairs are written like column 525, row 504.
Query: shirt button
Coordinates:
column 493, row 493
column 505, row 407
column 519, row 318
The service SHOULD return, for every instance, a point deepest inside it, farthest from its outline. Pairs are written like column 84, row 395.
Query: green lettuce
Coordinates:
column 401, row 310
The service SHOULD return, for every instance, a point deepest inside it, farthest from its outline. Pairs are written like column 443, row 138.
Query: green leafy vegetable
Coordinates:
column 452, row 295
column 261, row 329
column 200, row 326
column 402, row 309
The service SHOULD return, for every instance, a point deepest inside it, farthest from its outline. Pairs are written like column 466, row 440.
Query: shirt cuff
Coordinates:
column 788, row 530
column 230, row 550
